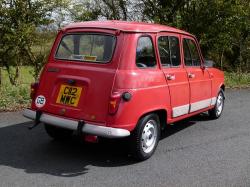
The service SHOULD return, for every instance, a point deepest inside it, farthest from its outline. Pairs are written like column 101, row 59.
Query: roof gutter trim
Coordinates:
column 126, row 31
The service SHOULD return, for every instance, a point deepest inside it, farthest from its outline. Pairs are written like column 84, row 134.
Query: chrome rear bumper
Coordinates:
column 101, row 131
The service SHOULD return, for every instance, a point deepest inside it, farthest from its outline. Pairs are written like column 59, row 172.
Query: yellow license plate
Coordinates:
column 69, row 95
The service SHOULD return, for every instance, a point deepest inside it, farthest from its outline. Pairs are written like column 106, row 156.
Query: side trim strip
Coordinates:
column 180, row 110
column 200, row 105
column 184, row 109
column 213, row 100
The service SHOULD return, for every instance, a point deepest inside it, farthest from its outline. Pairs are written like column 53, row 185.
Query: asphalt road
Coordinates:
column 194, row 152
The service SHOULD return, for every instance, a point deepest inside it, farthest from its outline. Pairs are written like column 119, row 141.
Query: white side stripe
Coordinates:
column 200, row 105
column 213, row 101
column 184, row 109
column 180, row 110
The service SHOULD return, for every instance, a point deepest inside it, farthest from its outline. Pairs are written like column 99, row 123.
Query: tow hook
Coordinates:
column 79, row 128
column 37, row 120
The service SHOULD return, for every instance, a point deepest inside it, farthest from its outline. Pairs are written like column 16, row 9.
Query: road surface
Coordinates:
column 194, row 152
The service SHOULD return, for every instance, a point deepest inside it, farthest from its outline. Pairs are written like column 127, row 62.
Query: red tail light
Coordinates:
column 33, row 90
column 114, row 103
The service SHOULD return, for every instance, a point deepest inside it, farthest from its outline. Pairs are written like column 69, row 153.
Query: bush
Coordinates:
column 236, row 80
column 15, row 97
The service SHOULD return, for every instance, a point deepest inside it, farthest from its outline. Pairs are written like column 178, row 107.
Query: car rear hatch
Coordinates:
column 77, row 82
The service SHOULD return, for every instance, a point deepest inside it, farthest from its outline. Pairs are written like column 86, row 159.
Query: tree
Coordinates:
column 84, row 10
column 221, row 26
column 19, row 22
column 162, row 11
column 87, row 10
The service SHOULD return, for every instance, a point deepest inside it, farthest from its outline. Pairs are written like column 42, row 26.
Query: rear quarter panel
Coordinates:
column 217, row 77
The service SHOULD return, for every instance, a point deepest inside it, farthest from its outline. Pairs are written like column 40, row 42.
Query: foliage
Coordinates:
column 20, row 22
column 221, row 26
column 235, row 80
column 15, row 97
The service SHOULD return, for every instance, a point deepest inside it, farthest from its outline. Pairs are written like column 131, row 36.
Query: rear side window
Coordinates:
column 191, row 55
column 169, row 50
column 163, row 47
column 86, row 47
column 174, row 51
column 145, row 55
column 187, row 55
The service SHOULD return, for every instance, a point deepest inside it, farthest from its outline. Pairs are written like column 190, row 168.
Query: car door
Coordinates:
column 175, row 73
column 198, row 77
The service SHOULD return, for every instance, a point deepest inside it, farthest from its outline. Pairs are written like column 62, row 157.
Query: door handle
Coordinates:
column 191, row 75
column 170, row 77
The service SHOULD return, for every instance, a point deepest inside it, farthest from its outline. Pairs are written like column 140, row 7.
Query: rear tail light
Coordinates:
column 33, row 90
column 114, row 103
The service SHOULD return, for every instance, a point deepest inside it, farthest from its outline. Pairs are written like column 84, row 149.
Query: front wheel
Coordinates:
column 216, row 112
column 145, row 137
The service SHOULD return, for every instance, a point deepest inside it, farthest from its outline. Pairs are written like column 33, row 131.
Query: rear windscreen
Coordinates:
column 86, row 47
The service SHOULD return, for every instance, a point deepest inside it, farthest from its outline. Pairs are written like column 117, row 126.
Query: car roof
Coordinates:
column 125, row 26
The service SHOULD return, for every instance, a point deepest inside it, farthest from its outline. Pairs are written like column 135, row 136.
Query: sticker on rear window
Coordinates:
column 40, row 101
column 89, row 58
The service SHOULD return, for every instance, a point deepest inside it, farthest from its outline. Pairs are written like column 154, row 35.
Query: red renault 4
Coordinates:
column 117, row 79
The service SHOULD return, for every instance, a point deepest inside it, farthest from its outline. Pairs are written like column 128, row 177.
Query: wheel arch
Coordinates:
column 222, row 87
column 162, row 113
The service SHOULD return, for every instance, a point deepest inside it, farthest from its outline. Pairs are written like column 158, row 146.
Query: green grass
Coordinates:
column 234, row 80
column 15, row 97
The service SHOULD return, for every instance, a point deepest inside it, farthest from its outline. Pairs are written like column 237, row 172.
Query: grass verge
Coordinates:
column 235, row 80
column 13, row 98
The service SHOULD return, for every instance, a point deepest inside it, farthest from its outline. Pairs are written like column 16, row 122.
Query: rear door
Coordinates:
column 78, row 79
column 175, row 73
column 199, row 80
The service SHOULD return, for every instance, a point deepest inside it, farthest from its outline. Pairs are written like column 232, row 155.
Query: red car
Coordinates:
column 117, row 79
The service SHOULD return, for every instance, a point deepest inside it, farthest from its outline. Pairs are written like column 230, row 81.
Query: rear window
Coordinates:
column 86, row 47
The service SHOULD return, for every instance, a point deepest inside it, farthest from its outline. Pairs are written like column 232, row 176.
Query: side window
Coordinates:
column 174, row 51
column 187, row 55
column 163, row 47
column 145, row 56
column 169, row 51
column 194, row 53
column 191, row 55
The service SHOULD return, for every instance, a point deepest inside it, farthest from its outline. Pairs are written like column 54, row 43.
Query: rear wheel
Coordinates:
column 216, row 112
column 57, row 132
column 145, row 137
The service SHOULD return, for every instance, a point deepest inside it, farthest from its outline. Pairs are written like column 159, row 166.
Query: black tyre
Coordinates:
column 216, row 112
column 145, row 137
column 57, row 133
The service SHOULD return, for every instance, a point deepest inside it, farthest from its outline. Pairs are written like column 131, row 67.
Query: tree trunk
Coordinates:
column 0, row 75
column 221, row 59
column 13, row 78
column 240, row 62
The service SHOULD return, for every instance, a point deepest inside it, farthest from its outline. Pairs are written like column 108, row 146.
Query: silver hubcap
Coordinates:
column 219, row 104
column 149, row 135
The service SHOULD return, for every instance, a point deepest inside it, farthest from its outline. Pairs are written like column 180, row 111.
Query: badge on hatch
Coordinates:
column 69, row 95
column 40, row 101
